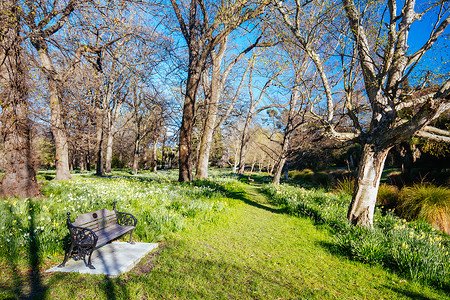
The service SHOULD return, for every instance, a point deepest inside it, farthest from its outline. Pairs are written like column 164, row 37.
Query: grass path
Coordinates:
column 254, row 251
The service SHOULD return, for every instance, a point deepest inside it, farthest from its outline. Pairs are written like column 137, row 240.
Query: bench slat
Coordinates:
column 112, row 233
column 93, row 216
column 101, row 223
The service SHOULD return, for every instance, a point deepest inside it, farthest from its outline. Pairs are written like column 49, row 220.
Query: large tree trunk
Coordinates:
column 112, row 117
column 210, row 122
column 187, row 123
column 371, row 166
column 60, row 135
column 56, row 111
column 208, row 131
column 19, row 179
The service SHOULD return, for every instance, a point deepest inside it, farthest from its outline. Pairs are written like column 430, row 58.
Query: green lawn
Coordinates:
column 251, row 250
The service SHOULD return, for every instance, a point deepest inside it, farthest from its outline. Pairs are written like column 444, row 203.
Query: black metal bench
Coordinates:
column 97, row 228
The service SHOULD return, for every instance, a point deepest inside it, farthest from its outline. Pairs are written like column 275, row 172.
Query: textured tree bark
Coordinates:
column 99, row 168
column 108, row 156
column 210, row 122
column 193, row 80
column 56, row 112
column 112, row 117
column 20, row 177
column 371, row 166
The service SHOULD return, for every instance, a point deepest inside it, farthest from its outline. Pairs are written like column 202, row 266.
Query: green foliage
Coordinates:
column 413, row 249
column 324, row 208
column 307, row 177
column 160, row 204
column 46, row 153
column 427, row 202
column 305, row 174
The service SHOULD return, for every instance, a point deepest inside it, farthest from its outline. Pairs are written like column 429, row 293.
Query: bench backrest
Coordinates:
column 96, row 220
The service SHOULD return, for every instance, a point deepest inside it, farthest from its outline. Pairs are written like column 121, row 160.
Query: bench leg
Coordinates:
column 90, row 266
column 131, row 237
column 66, row 256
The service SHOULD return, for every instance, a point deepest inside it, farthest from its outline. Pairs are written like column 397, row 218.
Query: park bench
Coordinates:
column 95, row 229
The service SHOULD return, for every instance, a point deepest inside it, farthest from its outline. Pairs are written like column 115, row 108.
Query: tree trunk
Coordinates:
column 154, row 157
column 56, row 111
column 283, row 155
column 136, row 156
column 163, row 151
column 99, row 169
column 112, row 117
column 210, row 122
column 278, row 170
column 244, row 142
column 371, row 166
column 19, row 179
column 108, row 158
column 236, row 161
column 187, row 123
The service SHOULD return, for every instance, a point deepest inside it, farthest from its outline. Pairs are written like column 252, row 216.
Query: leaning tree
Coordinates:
column 379, row 41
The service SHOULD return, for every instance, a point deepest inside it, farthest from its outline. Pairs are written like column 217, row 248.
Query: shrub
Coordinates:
column 305, row 174
column 427, row 202
column 323, row 179
column 345, row 185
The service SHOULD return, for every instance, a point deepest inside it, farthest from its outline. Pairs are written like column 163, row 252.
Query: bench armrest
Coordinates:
column 126, row 219
column 82, row 236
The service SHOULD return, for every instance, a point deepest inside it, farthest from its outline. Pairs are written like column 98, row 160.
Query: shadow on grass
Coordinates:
column 24, row 263
column 409, row 294
column 29, row 286
column 240, row 194
column 114, row 289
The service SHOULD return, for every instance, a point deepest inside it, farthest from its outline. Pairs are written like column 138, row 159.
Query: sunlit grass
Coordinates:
column 414, row 249
column 219, row 238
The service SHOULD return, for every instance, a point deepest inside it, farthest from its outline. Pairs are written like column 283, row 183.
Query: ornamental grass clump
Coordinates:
column 387, row 196
column 345, row 185
column 427, row 202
